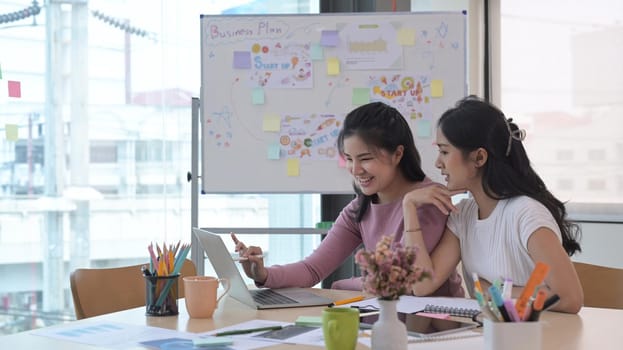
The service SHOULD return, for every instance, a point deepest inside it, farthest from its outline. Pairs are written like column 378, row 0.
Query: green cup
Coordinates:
column 340, row 327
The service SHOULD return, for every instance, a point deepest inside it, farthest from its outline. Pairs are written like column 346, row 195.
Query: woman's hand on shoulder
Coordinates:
column 437, row 195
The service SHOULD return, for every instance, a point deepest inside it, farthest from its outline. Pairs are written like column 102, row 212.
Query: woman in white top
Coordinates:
column 511, row 220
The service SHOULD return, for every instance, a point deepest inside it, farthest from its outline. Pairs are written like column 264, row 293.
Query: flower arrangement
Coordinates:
column 389, row 271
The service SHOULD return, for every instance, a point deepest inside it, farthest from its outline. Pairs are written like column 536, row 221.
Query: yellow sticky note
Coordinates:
column 293, row 167
column 436, row 88
column 406, row 36
column 11, row 132
column 271, row 122
column 333, row 66
column 361, row 96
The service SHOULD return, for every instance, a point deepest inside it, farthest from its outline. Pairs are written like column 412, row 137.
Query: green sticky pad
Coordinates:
column 212, row 341
column 310, row 321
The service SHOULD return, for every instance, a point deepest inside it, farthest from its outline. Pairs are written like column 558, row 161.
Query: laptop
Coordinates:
column 263, row 298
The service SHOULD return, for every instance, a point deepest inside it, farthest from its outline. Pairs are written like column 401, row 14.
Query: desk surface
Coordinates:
column 592, row 328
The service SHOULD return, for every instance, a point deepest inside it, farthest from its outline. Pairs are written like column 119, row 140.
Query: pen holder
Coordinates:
column 512, row 335
column 161, row 294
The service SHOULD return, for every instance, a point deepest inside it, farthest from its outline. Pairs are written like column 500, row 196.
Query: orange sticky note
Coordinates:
column 15, row 89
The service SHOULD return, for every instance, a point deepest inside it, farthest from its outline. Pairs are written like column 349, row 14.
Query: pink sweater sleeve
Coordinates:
column 341, row 240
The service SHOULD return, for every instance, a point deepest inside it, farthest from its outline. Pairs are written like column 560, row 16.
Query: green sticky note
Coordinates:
column 258, row 96
column 310, row 321
column 11, row 132
column 316, row 52
column 361, row 96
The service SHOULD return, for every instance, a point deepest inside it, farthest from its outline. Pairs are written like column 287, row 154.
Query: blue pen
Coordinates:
column 496, row 296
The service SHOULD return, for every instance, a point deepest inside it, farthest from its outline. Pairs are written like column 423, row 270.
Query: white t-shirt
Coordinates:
column 497, row 247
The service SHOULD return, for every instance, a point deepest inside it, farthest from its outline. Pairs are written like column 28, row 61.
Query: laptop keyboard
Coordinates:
column 270, row 297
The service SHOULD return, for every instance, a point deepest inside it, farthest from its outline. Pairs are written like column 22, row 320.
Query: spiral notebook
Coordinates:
column 451, row 310
column 461, row 307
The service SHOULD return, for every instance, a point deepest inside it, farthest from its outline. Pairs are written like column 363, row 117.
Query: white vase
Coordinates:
column 388, row 332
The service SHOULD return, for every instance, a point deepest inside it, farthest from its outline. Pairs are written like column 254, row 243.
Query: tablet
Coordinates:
column 420, row 325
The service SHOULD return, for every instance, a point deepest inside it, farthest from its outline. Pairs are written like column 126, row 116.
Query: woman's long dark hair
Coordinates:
column 474, row 123
column 383, row 127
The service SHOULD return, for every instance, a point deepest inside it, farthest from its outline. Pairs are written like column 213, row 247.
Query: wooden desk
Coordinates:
column 592, row 328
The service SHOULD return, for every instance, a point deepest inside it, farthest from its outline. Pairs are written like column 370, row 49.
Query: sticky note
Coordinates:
column 271, row 122
column 311, row 321
column 329, row 38
column 293, row 167
column 361, row 96
column 423, row 128
column 333, row 66
column 406, row 36
column 242, row 59
column 10, row 132
column 316, row 52
column 273, row 151
column 15, row 89
column 436, row 88
column 258, row 96
column 216, row 342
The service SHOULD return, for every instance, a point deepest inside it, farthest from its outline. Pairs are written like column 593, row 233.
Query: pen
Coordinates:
column 551, row 301
column 346, row 301
column 537, row 305
column 477, row 285
column 248, row 330
column 244, row 258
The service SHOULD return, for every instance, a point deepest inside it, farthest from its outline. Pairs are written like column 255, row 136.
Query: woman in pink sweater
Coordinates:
column 380, row 154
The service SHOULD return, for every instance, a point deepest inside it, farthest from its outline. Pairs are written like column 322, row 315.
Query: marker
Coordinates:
column 499, row 302
column 550, row 301
column 484, row 308
column 512, row 312
column 477, row 285
column 347, row 301
column 537, row 277
column 537, row 305
column 244, row 258
column 248, row 330
column 507, row 289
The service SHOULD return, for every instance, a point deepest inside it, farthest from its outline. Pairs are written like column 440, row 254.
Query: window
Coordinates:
column 113, row 149
column 562, row 80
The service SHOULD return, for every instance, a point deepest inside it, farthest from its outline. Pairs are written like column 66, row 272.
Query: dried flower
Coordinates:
column 389, row 271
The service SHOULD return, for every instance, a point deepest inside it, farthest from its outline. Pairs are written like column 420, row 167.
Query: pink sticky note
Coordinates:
column 15, row 89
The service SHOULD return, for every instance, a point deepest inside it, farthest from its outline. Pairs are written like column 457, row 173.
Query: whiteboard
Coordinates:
column 275, row 90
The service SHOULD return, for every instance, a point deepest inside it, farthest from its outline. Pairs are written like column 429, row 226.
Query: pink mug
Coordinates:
column 200, row 295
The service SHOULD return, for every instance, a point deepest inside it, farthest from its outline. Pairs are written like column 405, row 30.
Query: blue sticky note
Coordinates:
column 257, row 96
column 242, row 59
column 273, row 151
column 329, row 38
column 423, row 128
column 316, row 52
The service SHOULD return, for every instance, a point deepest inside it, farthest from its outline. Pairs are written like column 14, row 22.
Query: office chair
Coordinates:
column 603, row 286
column 100, row 291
